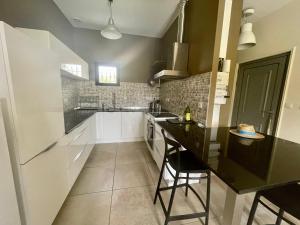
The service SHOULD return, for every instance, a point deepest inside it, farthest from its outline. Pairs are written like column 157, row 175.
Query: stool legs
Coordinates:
column 253, row 210
column 172, row 198
column 159, row 180
column 207, row 197
column 279, row 220
column 187, row 184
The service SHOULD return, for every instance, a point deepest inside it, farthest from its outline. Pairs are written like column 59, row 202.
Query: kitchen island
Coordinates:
column 245, row 165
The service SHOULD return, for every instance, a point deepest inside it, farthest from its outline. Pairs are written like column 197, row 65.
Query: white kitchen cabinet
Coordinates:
column 30, row 85
column 92, row 132
column 99, row 126
column 71, row 64
column 146, row 119
column 132, row 124
column 9, row 210
column 112, row 125
column 78, row 145
column 119, row 126
column 45, row 186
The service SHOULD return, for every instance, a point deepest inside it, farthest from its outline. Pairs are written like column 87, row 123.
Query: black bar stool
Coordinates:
column 182, row 162
column 286, row 198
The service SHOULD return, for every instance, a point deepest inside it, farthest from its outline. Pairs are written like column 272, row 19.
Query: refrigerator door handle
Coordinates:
column 42, row 152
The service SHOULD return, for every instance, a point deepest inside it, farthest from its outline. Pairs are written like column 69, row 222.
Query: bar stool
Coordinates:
column 286, row 198
column 182, row 162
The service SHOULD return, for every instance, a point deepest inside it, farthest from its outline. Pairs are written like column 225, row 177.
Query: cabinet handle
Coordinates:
column 42, row 152
column 77, row 156
column 79, row 135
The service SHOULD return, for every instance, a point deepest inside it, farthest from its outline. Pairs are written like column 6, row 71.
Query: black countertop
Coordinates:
column 243, row 164
column 77, row 116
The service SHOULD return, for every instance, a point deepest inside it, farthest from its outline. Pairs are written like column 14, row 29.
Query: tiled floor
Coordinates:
column 117, row 186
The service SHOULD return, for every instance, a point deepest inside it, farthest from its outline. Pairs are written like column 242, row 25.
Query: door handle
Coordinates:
column 269, row 112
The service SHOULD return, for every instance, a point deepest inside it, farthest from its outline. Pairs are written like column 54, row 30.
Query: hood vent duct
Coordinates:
column 177, row 59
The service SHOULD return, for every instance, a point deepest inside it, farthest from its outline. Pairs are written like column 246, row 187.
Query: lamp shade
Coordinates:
column 247, row 37
column 111, row 31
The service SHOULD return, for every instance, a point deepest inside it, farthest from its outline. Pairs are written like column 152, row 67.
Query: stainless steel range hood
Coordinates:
column 178, row 60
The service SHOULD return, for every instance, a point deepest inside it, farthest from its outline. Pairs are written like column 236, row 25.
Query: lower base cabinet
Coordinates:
column 45, row 186
column 119, row 126
column 158, row 156
column 48, row 178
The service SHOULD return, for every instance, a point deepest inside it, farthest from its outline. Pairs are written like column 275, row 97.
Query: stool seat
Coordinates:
column 182, row 162
column 286, row 198
column 188, row 162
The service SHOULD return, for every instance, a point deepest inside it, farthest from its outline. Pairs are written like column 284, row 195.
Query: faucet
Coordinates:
column 114, row 100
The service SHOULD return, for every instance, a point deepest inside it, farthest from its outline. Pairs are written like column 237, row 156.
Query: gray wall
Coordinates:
column 133, row 54
column 37, row 14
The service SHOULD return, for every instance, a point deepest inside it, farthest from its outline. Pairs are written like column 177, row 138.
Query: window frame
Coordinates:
column 97, row 74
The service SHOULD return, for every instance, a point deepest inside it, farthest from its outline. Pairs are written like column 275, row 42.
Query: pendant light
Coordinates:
column 111, row 31
column 247, row 37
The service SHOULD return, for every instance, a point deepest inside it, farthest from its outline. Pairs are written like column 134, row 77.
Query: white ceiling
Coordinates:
column 139, row 17
column 264, row 7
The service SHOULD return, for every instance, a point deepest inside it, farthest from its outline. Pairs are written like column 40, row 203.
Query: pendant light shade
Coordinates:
column 247, row 38
column 111, row 31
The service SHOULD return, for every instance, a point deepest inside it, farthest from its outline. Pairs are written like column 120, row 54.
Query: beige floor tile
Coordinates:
column 99, row 157
column 93, row 180
column 139, row 206
column 154, row 171
column 91, row 209
column 129, row 155
column 181, row 204
column 148, row 155
column 217, row 196
column 138, row 203
column 132, row 145
column 132, row 175
column 107, row 147
column 137, row 174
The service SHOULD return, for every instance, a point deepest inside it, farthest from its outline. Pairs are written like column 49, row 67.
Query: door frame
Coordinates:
column 287, row 68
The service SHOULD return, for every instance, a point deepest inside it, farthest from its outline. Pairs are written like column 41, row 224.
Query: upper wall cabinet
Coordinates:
column 71, row 64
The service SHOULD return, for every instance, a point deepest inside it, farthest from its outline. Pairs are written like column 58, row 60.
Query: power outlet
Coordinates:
column 200, row 105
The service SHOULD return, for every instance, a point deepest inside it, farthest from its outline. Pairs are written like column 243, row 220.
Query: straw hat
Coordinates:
column 246, row 131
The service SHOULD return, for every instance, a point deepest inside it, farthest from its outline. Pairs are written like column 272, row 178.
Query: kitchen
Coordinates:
column 86, row 89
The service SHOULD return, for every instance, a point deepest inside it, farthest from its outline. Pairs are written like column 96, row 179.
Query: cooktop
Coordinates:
column 163, row 115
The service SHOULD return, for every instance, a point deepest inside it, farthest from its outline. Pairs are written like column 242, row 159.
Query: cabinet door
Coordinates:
column 132, row 124
column 99, row 125
column 111, row 126
column 9, row 213
column 92, row 133
column 45, row 186
column 35, row 90
column 146, row 118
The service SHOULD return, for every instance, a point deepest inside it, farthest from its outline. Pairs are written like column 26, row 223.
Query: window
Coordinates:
column 107, row 75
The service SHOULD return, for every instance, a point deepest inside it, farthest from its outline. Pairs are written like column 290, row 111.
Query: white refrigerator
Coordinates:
column 31, row 99
column 9, row 209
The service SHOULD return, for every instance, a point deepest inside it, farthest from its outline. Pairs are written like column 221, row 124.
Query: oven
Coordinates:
column 150, row 133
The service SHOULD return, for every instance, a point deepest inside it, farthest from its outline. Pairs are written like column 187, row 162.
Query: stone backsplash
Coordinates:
column 174, row 95
column 70, row 92
column 193, row 92
column 127, row 94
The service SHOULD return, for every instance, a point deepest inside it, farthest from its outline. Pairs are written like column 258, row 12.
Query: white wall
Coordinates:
column 277, row 33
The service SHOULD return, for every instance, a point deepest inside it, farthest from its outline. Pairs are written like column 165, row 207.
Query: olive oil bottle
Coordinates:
column 187, row 114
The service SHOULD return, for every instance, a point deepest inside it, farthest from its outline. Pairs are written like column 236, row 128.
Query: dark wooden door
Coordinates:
column 259, row 92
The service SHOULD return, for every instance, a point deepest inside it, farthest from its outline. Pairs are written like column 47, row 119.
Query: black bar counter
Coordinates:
column 246, row 165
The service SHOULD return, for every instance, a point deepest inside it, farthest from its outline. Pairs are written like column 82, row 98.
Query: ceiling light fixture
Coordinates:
column 247, row 37
column 111, row 31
